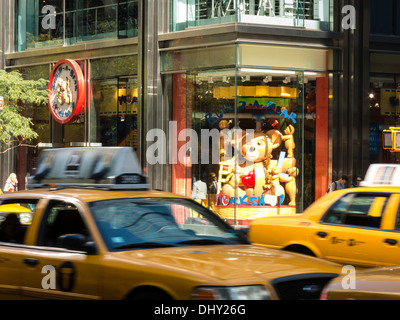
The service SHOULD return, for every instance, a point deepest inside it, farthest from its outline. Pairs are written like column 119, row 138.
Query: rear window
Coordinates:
column 359, row 210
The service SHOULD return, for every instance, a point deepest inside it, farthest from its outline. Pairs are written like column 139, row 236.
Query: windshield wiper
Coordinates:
column 145, row 245
column 203, row 242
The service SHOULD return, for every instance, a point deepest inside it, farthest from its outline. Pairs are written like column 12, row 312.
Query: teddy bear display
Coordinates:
column 261, row 175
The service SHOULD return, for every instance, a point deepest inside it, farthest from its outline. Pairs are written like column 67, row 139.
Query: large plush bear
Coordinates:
column 252, row 175
column 259, row 174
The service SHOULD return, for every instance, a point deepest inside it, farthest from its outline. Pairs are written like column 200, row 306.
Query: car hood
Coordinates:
column 231, row 261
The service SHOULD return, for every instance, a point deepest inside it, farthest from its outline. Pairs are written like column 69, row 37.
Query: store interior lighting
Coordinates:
column 267, row 79
column 226, row 79
column 287, row 80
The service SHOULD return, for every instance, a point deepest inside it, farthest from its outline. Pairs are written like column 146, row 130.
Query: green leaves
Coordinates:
column 18, row 92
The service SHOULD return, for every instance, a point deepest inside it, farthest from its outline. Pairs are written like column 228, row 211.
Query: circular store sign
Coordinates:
column 66, row 91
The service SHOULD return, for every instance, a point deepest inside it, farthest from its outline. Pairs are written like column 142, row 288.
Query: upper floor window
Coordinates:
column 311, row 14
column 385, row 16
column 42, row 23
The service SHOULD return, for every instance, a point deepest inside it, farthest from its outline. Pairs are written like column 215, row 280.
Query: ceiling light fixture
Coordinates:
column 268, row 71
column 267, row 79
column 287, row 80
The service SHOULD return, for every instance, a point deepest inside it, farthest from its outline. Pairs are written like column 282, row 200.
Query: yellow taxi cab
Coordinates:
column 358, row 226
column 23, row 212
column 98, row 232
column 371, row 284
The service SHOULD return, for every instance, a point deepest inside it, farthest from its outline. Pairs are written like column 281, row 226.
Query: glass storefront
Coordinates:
column 384, row 105
column 384, row 115
column 310, row 14
column 254, row 116
column 249, row 133
column 115, row 97
column 111, row 118
column 60, row 22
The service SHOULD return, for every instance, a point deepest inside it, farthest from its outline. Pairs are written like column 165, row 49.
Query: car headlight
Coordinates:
column 231, row 293
column 25, row 218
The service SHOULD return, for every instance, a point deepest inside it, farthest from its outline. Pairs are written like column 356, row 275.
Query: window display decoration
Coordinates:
column 258, row 182
column 67, row 91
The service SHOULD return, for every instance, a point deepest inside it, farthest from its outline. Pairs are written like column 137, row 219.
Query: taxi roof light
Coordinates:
column 382, row 175
column 114, row 168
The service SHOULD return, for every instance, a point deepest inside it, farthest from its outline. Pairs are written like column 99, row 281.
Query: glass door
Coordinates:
column 127, row 113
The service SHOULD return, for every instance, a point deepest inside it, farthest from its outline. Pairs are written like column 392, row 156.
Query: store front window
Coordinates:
column 114, row 116
column 110, row 116
column 384, row 107
column 384, row 116
column 251, row 134
column 60, row 22
column 290, row 13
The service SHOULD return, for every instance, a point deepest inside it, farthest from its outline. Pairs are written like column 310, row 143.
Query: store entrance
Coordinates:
column 119, row 112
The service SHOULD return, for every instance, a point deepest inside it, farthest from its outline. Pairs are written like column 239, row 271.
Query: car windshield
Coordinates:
column 160, row 222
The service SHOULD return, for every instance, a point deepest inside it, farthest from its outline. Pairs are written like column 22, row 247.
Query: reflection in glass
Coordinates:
column 291, row 13
column 81, row 21
column 157, row 223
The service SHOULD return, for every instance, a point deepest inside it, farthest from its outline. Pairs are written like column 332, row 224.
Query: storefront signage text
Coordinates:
column 266, row 200
column 127, row 99
column 269, row 108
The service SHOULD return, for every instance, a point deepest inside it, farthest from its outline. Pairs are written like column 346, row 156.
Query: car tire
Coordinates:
column 149, row 295
column 301, row 250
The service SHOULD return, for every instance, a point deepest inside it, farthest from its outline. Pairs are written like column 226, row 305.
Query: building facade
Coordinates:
column 172, row 79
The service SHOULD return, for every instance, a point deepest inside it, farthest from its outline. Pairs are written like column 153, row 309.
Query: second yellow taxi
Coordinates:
column 360, row 227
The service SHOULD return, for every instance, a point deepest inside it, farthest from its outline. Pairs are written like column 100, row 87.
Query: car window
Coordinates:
column 61, row 218
column 397, row 222
column 360, row 210
column 15, row 218
column 152, row 223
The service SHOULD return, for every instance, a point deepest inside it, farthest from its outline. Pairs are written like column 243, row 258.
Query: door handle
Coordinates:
column 322, row 234
column 31, row 261
column 391, row 242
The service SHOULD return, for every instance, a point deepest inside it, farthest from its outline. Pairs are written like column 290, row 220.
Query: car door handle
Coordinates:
column 322, row 234
column 391, row 242
column 31, row 261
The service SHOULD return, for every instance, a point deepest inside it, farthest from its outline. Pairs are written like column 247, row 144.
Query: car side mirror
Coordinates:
column 76, row 242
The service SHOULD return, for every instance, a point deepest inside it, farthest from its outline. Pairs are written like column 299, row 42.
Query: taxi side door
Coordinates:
column 10, row 272
column 15, row 218
column 391, row 240
column 53, row 268
column 350, row 231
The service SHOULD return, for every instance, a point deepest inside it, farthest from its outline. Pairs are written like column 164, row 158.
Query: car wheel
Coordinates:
column 149, row 295
column 300, row 249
